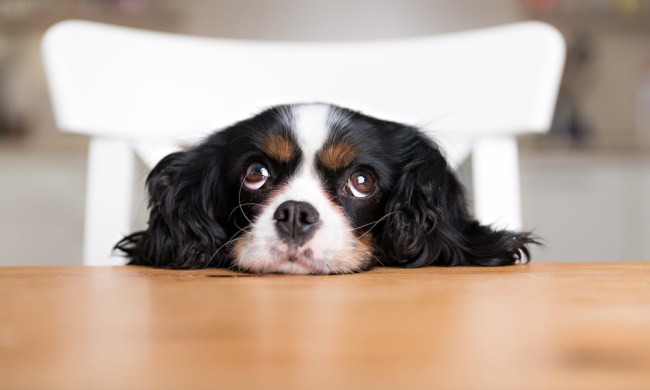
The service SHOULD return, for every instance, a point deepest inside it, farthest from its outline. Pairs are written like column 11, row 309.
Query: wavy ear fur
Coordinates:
column 429, row 223
column 181, row 233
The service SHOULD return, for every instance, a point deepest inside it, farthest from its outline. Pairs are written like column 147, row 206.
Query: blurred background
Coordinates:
column 585, row 185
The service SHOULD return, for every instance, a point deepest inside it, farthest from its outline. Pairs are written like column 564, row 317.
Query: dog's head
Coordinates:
column 313, row 188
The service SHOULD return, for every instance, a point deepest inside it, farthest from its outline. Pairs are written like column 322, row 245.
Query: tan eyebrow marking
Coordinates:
column 339, row 155
column 279, row 148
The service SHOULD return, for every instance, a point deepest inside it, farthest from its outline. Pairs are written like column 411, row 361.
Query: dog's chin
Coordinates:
column 296, row 262
column 291, row 259
column 281, row 258
column 290, row 264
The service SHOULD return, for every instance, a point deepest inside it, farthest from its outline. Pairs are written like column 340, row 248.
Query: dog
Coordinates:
column 314, row 189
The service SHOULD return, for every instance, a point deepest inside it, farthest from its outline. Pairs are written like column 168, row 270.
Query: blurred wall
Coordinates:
column 609, row 65
column 339, row 19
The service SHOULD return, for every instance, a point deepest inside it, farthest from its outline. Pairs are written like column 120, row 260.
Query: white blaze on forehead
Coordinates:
column 310, row 125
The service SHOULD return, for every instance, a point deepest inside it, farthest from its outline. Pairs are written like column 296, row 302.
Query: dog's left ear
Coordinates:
column 428, row 222
column 184, row 232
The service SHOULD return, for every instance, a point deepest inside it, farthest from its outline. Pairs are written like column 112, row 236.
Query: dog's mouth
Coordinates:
column 331, row 250
column 297, row 259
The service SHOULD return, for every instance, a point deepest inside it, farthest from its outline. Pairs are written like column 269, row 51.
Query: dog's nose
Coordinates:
column 296, row 222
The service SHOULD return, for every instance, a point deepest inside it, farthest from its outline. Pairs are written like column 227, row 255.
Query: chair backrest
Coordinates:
column 149, row 91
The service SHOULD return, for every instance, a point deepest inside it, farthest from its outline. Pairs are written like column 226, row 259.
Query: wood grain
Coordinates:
column 538, row 326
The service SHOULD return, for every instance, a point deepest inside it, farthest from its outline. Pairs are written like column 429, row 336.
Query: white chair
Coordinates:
column 149, row 92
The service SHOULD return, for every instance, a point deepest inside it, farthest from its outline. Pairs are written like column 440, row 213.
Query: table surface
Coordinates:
column 546, row 326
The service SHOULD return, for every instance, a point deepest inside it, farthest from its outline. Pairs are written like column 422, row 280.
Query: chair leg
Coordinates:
column 109, row 191
column 495, row 170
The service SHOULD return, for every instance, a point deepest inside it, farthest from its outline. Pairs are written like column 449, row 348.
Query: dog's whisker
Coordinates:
column 241, row 229
column 239, row 201
column 374, row 223
column 231, row 241
column 369, row 253
column 240, row 206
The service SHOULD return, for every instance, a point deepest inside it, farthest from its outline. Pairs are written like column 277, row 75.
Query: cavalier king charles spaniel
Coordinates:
column 314, row 189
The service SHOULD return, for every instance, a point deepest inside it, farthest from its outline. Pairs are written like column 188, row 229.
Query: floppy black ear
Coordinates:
column 181, row 233
column 429, row 223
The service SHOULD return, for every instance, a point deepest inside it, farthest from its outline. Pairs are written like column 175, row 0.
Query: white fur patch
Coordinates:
column 310, row 125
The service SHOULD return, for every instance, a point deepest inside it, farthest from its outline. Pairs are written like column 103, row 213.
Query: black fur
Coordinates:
column 181, row 190
column 429, row 223
column 194, row 199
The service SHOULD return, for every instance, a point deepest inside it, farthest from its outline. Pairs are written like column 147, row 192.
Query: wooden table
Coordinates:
column 538, row 326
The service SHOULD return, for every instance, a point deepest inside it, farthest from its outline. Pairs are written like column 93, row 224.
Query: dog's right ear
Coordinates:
column 181, row 233
column 429, row 222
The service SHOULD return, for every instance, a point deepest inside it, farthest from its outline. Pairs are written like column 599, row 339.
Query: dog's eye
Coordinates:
column 256, row 176
column 361, row 184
